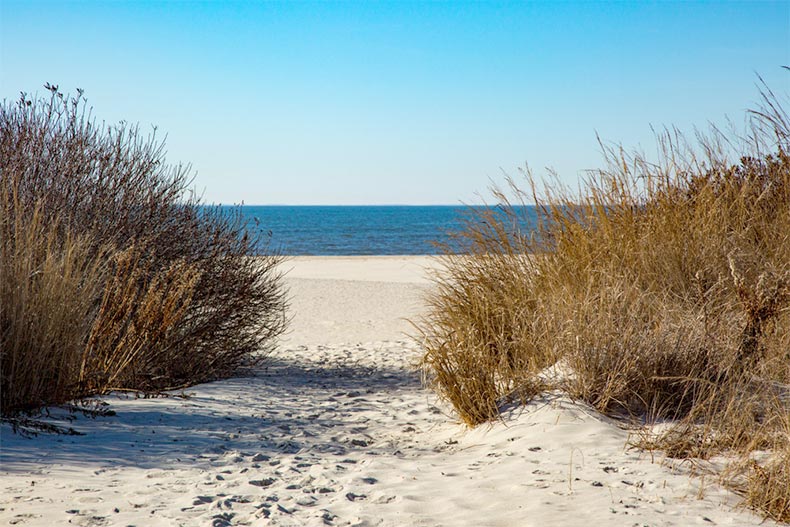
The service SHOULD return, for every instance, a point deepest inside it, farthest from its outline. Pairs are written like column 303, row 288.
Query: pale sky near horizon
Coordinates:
column 395, row 102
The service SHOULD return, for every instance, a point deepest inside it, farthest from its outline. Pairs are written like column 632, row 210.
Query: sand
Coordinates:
column 336, row 429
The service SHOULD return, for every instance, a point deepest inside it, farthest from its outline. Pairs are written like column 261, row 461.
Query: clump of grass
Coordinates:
column 661, row 290
column 48, row 287
column 767, row 486
column 113, row 275
column 479, row 351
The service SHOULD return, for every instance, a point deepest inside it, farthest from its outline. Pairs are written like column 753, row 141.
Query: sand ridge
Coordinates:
column 337, row 429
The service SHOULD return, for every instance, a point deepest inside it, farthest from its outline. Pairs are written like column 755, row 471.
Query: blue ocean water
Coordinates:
column 360, row 230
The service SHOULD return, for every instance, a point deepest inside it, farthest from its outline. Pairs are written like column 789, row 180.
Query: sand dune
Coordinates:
column 336, row 429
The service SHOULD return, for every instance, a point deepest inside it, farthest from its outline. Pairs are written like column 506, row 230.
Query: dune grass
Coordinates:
column 660, row 291
column 112, row 276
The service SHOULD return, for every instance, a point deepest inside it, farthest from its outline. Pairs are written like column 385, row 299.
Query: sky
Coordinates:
column 348, row 103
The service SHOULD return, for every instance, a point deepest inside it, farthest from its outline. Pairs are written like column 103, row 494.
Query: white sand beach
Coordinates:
column 336, row 429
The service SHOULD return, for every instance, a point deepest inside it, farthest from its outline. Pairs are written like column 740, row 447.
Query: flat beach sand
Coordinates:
column 336, row 429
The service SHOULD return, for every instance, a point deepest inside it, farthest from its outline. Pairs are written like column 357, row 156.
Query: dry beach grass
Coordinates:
column 661, row 291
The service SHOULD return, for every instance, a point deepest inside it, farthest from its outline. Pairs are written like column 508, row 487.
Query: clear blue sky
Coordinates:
column 395, row 102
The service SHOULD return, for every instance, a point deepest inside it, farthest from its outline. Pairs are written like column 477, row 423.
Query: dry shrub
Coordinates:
column 661, row 291
column 179, row 299
column 139, row 312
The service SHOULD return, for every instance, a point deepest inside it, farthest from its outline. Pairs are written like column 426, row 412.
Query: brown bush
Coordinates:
column 180, row 300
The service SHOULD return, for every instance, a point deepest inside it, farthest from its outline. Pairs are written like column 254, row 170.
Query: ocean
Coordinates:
column 360, row 230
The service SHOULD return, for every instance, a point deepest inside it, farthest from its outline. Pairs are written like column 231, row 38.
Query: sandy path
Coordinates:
column 342, row 434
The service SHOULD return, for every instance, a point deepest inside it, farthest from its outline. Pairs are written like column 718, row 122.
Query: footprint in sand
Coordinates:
column 21, row 519
column 202, row 500
column 351, row 496
column 266, row 482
